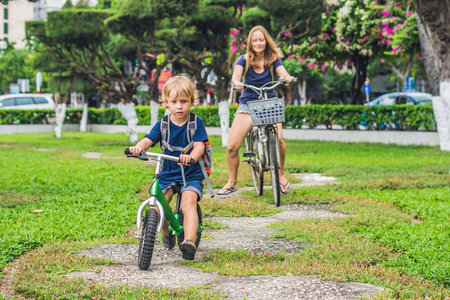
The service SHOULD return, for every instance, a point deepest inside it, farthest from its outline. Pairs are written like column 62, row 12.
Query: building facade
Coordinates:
column 14, row 14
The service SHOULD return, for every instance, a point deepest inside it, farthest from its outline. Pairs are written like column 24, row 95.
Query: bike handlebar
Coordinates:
column 144, row 156
column 264, row 88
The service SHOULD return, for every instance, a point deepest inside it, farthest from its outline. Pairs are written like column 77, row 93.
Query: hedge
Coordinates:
column 396, row 117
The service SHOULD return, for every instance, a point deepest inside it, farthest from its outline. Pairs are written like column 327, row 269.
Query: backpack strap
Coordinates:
column 165, row 135
column 208, row 183
column 191, row 129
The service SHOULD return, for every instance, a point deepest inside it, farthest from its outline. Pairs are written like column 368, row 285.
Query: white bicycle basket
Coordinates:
column 268, row 111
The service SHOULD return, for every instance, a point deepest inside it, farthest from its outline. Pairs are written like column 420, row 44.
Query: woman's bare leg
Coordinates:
column 241, row 126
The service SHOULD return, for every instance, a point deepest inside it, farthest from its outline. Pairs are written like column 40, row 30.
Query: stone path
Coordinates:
column 242, row 233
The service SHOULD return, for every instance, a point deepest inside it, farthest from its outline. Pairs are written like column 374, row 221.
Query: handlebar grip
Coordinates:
column 192, row 162
column 235, row 86
column 141, row 156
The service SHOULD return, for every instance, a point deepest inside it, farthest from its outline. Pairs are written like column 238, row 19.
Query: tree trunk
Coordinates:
column 84, row 118
column 154, row 108
column 60, row 115
column 129, row 113
column 434, row 15
column 360, row 63
column 428, row 57
column 224, row 113
column 301, row 86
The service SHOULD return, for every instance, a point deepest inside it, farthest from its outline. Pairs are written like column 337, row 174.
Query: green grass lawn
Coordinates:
column 398, row 235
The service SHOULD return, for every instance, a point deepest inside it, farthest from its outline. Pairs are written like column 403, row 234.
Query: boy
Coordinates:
column 178, row 96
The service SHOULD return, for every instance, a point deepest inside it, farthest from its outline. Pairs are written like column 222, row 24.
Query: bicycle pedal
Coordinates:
column 247, row 154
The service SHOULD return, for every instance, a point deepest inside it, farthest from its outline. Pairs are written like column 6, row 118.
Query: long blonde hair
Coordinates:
column 183, row 86
column 271, row 53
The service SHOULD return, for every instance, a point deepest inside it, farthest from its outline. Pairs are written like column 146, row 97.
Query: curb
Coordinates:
column 335, row 135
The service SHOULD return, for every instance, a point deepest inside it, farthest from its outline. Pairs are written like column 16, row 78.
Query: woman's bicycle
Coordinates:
column 147, row 225
column 262, row 145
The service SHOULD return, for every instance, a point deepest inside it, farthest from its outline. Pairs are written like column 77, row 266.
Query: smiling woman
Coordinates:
column 255, row 68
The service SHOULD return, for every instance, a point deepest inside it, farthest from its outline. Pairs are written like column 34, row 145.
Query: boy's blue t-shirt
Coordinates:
column 178, row 138
column 256, row 79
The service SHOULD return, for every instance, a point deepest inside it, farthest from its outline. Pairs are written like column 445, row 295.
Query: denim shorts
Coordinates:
column 193, row 185
column 242, row 109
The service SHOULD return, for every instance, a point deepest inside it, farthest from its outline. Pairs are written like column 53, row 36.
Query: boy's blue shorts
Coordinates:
column 193, row 185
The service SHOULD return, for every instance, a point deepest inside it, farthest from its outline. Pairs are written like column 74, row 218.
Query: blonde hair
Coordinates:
column 183, row 86
column 271, row 53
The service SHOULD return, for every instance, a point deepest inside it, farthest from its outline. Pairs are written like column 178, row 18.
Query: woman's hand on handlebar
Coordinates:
column 239, row 86
column 289, row 79
column 186, row 160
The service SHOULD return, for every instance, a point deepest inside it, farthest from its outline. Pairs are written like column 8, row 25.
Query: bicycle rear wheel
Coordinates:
column 255, row 163
column 149, row 226
column 180, row 238
column 273, row 162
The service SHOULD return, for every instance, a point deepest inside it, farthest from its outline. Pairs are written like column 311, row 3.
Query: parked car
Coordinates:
column 27, row 101
column 402, row 98
column 409, row 98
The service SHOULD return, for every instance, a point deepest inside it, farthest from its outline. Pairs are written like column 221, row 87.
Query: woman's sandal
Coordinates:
column 168, row 241
column 286, row 187
column 188, row 248
column 226, row 191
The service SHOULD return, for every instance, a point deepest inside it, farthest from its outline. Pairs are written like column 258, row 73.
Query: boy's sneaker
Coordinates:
column 188, row 248
column 168, row 241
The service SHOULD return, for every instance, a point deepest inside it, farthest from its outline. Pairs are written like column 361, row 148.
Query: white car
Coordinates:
column 27, row 101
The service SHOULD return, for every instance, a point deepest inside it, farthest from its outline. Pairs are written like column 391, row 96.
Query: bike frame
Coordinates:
column 157, row 198
column 261, row 132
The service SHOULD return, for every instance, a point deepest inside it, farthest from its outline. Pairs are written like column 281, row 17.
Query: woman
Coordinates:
column 263, row 59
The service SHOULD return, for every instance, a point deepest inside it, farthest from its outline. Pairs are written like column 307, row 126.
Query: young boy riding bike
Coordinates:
column 179, row 95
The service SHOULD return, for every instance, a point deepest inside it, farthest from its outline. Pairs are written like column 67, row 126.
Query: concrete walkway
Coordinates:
column 250, row 234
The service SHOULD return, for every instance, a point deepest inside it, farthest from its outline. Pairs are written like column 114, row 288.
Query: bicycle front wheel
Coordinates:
column 273, row 162
column 149, row 226
column 255, row 163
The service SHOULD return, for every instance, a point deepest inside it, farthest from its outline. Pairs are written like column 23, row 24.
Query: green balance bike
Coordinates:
column 151, row 222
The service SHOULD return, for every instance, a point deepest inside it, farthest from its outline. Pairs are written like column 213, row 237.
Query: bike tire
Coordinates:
column 149, row 226
column 180, row 237
column 273, row 162
column 256, row 164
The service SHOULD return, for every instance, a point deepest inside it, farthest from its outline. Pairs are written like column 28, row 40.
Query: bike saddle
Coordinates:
column 176, row 187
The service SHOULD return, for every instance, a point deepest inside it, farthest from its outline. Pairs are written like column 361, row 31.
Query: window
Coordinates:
column 5, row 28
column 424, row 102
column 8, row 102
column 404, row 100
column 5, row 13
column 39, row 100
column 24, row 101
column 390, row 100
